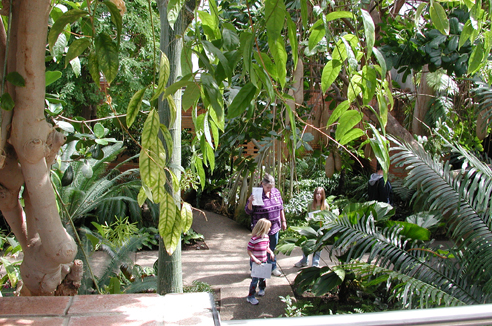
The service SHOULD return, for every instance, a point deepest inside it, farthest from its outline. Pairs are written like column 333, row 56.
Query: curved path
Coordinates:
column 225, row 266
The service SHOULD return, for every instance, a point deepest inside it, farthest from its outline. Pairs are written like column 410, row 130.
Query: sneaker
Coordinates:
column 261, row 292
column 276, row 272
column 252, row 300
column 300, row 264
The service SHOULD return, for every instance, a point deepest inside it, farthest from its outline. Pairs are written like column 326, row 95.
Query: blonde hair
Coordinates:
column 262, row 227
column 321, row 190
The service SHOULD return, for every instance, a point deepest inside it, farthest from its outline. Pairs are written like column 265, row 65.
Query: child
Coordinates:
column 258, row 247
column 319, row 203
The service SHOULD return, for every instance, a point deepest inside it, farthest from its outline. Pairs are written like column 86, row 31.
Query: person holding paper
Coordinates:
column 258, row 247
column 273, row 210
column 319, row 203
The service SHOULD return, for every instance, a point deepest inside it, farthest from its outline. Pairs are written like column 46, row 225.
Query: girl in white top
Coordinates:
column 319, row 203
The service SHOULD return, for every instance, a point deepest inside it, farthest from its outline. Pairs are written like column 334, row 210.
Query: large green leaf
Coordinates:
column 369, row 31
column 168, row 139
column 353, row 134
column 476, row 58
column 107, row 56
column 52, row 76
column 186, row 216
column 439, row 18
column 330, row 74
column 58, row 27
column 151, row 129
column 16, row 79
column 317, row 32
column 116, row 18
column 354, row 87
column 412, row 231
column 222, row 59
column 241, row 101
column 134, row 107
column 169, row 223
column 369, row 84
column 280, row 57
column 213, row 94
column 94, row 68
column 209, row 25
column 338, row 112
column 381, row 61
column 346, row 122
column 8, row 103
column 190, row 96
column 247, row 41
column 76, row 48
column 292, row 33
column 275, row 18
column 338, row 15
column 173, row 9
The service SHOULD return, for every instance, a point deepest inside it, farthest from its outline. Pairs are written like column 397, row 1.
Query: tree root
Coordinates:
column 71, row 283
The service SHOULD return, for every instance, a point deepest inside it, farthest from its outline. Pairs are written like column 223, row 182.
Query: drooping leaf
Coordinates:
column 369, row 31
column 94, row 69
column 330, row 74
column 381, row 61
column 168, row 139
column 107, row 56
column 241, row 101
column 476, row 58
column 16, row 79
column 190, row 96
column 292, row 33
column 169, row 223
column 346, row 122
column 173, row 9
column 76, row 48
column 439, row 17
column 76, row 67
column 222, row 59
column 352, row 134
column 134, row 107
column 247, row 41
column 354, row 88
column 213, row 94
column 275, row 18
column 209, row 25
column 317, row 32
column 186, row 216
column 7, row 102
column 52, row 76
column 116, row 18
column 67, row 18
column 338, row 112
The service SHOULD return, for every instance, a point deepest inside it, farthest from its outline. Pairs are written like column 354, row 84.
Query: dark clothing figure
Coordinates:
column 378, row 190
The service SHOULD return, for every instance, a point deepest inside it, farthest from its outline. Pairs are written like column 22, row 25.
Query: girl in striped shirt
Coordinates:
column 258, row 247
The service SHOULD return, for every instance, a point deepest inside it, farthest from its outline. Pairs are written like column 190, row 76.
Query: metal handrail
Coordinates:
column 464, row 315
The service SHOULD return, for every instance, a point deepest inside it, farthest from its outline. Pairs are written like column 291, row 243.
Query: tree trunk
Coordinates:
column 170, row 278
column 48, row 248
column 424, row 95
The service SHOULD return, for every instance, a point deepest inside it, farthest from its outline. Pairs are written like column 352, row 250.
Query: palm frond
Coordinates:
column 464, row 199
column 386, row 248
column 408, row 290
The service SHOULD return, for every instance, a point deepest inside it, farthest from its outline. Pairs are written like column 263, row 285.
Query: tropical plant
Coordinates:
column 10, row 263
column 399, row 253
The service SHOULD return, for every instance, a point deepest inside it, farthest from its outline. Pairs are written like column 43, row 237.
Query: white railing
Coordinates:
column 464, row 315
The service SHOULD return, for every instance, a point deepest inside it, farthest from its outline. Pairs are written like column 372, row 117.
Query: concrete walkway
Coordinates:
column 225, row 266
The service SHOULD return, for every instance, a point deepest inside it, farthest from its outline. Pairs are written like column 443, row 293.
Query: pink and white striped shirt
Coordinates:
column 258, row 246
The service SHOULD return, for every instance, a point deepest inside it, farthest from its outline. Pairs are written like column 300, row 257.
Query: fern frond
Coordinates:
column 408, row 290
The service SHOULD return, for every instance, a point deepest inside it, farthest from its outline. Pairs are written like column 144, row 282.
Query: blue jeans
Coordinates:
column 273, row 245
column 254, row 283
column 316, row 257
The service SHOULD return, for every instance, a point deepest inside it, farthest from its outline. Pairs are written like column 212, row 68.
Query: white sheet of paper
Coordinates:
column 261, row 271
column 258, row 194
column 311, row 215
